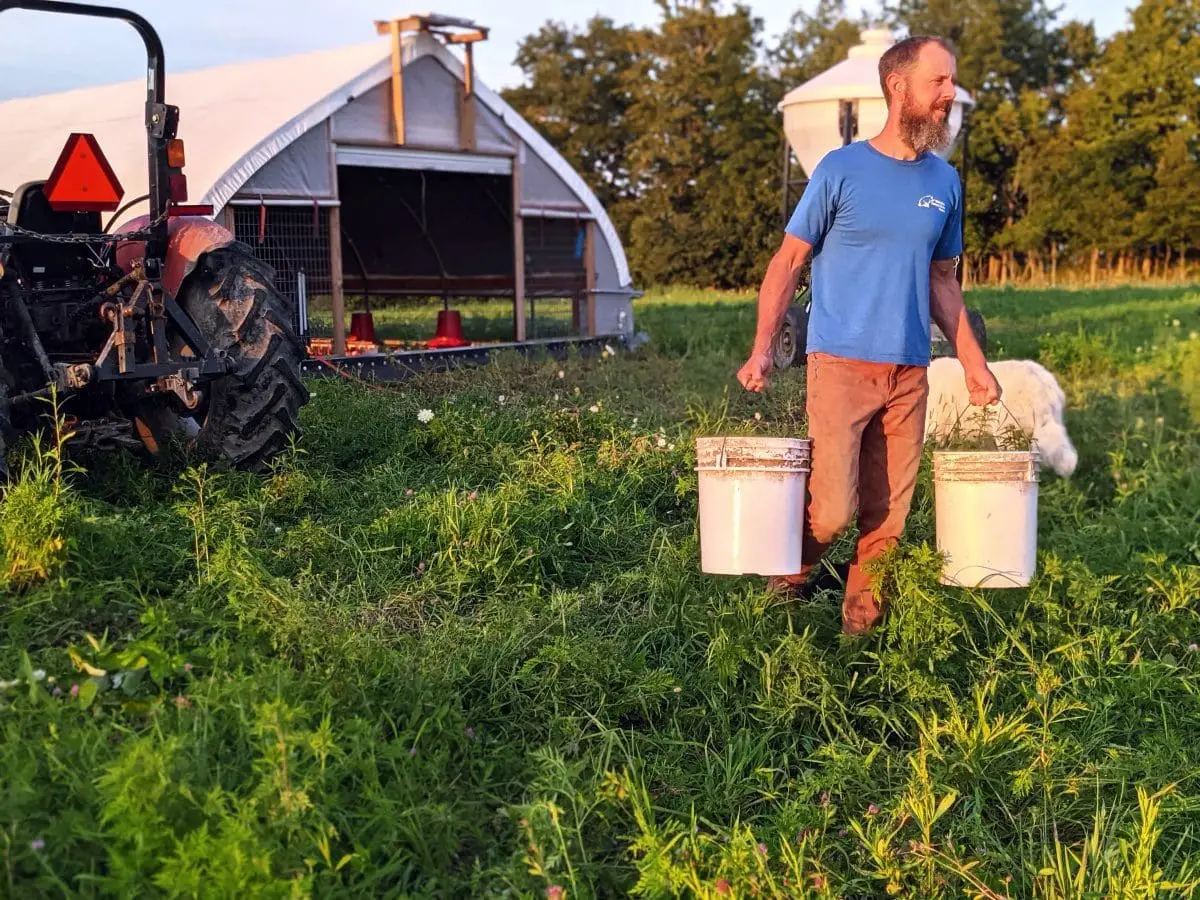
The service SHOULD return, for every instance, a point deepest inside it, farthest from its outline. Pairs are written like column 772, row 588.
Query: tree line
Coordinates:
column 1084, row 160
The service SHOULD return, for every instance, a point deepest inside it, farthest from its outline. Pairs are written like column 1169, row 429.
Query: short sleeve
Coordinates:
column 814, row 214
column 949, row 245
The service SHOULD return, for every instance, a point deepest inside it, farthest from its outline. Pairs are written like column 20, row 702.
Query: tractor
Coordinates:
column 164, row 331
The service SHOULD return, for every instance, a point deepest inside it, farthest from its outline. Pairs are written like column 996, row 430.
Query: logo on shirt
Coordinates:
column 929, row 201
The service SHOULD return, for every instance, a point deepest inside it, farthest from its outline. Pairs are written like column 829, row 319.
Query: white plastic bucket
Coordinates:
column 986, row 512
column 752, row 498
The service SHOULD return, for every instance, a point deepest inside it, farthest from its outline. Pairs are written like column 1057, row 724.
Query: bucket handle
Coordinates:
column 1016, row 421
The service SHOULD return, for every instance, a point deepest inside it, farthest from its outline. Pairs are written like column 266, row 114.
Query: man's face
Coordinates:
column 926, row 98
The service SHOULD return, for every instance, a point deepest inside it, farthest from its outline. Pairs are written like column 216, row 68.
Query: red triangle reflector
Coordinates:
column 82, row 179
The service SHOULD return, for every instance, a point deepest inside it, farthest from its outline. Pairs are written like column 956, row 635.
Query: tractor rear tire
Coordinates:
column 250, row 415
column 7, row 385
column 978, row 327
column 792, row 340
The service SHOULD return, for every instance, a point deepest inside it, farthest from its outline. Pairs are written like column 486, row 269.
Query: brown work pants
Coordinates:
column 866, row 422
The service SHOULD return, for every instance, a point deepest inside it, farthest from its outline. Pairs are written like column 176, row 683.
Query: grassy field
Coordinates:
column 475, row 656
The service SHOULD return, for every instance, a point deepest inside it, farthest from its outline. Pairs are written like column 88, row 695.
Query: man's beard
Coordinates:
column 921, row 129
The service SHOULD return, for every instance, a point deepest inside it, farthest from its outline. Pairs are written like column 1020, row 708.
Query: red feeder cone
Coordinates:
column 449, row 330
column 362, row 327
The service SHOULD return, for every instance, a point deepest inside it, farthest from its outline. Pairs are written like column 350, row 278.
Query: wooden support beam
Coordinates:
column 335, row 280
column 589, row 262
column 466, row 109
column 409, row 23
column 394, row 28
column 469, row 37
column 518, row 248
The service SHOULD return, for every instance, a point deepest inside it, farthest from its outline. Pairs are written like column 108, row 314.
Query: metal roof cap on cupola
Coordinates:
column 813, row 113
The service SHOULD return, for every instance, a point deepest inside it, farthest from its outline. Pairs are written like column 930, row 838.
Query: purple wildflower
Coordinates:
column 554, row 892
column 75, row 690
column 37, row 844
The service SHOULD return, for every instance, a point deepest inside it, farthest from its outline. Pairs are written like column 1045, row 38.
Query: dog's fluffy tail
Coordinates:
column 1056, row 448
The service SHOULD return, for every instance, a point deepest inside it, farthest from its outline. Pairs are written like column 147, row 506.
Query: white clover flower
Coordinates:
column 39, row 674
column 1192, row 335
column 594, row 408
column 556, row 398
column 500, row 398
column 1174, row 323
column 662, row 441
column 425, row 416
column 758, row 417
column 562, row 374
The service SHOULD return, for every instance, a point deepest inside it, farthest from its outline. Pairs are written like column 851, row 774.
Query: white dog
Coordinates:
column 1030, row 393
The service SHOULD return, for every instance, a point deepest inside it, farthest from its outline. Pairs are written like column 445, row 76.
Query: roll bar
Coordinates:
column 162, row 121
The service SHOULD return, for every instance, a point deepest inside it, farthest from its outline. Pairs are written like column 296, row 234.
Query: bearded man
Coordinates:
column 882, row 219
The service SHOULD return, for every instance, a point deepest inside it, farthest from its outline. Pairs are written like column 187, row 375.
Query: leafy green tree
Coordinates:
column 816, row 42
column 1171, row 218
column 1009, row 53
column 576, row 94
column 1142, row 107
column 705, row 151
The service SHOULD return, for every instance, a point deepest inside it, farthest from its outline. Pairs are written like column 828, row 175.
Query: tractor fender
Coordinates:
column 188, row 238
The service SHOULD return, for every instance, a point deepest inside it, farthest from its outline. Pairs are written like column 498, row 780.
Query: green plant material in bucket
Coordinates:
column 981, row 433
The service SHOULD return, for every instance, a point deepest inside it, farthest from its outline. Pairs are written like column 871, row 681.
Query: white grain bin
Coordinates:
column 811, row 112
column 752, row 498
column 986, row 512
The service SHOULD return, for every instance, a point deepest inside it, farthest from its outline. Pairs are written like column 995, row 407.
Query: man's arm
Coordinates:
column 774, row 297
column 947, row 309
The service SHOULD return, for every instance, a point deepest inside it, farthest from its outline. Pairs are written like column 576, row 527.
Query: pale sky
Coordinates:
column 44, row 53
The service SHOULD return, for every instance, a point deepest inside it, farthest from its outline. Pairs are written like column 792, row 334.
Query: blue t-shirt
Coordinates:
column 875, row 224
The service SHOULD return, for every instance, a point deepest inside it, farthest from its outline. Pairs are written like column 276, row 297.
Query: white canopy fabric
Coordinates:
column 234, row 119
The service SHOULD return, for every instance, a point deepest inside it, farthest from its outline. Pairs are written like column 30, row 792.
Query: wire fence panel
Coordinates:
column 295, row 241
